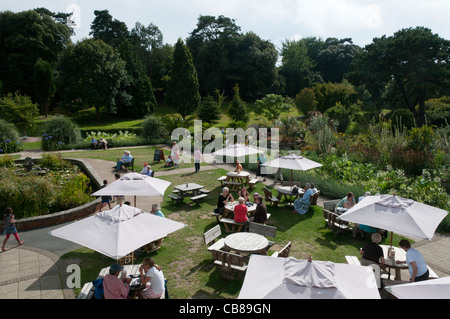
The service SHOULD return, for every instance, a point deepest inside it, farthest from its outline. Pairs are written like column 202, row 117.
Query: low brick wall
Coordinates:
column 65, row 216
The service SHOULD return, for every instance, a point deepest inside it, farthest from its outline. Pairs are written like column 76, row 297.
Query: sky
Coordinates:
column 273, row 20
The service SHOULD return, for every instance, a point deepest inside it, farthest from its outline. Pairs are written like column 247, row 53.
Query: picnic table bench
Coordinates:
column 230, row 221
column 197, row 198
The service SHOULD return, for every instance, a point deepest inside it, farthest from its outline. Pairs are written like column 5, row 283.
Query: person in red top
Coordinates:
column 240, row 211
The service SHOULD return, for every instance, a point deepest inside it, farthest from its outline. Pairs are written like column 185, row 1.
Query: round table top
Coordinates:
column 246, row 242
column 288, row 190
column 400, row 254
column 230, row 206
column 240, row 174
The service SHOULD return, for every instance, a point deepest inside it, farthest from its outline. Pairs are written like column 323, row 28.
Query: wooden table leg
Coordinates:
column 398, row 275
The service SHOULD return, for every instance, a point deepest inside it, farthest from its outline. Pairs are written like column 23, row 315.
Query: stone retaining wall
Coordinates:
column 65, row 216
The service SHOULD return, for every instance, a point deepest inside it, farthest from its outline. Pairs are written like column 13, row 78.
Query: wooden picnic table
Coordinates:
column 389, row 262
column 246, row 242
column 188, row 189
column 236, row 180
column 288, row 194
column 229, row 208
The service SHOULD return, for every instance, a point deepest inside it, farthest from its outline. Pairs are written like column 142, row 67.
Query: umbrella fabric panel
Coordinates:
column 149, row 186
column 115, row 238
column 396, row 214
column 266, row 278
column 428, row 289
column 293, row 162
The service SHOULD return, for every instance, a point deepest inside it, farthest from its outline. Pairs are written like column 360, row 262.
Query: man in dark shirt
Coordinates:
column 260, row 215
column 372, row 253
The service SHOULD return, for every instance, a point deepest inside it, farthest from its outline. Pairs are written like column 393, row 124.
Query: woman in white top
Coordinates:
column 152, row 278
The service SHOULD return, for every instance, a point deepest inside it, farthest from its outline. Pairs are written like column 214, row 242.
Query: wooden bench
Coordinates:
column 229, row 264
column 232, row 185
column 217, row 215
column 335, row 223
column 176, row 198
column 205, row 191
column 352, row 260
column 128, row 164
column 252, row 183
column 197, row 198
column 222, row 180
column 284, row 252
column 265, row 230
column 87, row 292
column 331, row 218
column 229, row 221
column 314, row 197
column 210, row 237
column 270, row 198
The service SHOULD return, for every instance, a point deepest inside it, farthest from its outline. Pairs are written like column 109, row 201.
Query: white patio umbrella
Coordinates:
column 292, row 162
column 237, row 150
column 117, row 232
column 397, row 214
column 289, row 278
column 427, row 289
column 134, row 184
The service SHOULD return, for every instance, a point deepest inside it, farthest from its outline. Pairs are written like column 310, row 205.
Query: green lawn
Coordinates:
column 188, row 265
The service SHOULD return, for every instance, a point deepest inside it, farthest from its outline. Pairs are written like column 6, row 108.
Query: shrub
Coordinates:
column 60, row 130
column 9, row 138
column 153, row 128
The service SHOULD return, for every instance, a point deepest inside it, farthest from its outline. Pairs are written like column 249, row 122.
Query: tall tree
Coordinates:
column 409, row 67
column 252, row 64
column 111, row 31
column 44, row 84
column 91, row 73
column 296, row 67
column 210, row 44
column 183, row 89
column 26, row 36
column 139, row 87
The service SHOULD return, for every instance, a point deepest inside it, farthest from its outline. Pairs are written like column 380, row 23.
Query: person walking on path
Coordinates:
column 10, row 228
column 197, row 159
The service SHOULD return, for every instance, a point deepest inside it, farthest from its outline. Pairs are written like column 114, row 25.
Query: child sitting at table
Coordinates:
column 238, row 168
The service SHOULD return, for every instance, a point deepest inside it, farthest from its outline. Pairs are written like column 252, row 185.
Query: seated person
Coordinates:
column 260, row 214
column 346, row 203
column 148, row 171
column 314, row 189
column 223, row 199
column 301, row 205
column 362, row 197
column 156, row 210
column 372, row 253
column 169, row 162
column 240, row 211
column 103, row 143
column 113, row 286
column 243, row 192
column 152, row 278
column 144, row 169
column 238, row 167
column 126, row 159
column 93, row 142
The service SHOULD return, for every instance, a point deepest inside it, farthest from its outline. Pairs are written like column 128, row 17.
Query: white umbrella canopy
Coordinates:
column 117, row 232
column 134, row 184
column 397, row 214
column 237, row 150
column 292, row 162
column 427, row 289
column 290, row 278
